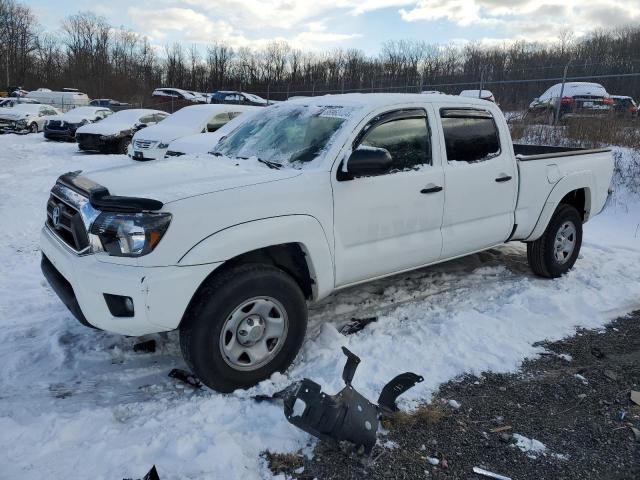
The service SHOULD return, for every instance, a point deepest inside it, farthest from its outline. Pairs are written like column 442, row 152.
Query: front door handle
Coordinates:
column 505, row 178
column 434, row 189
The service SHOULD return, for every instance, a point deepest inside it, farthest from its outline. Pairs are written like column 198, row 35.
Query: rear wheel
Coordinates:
column 556, row 251
column 33, row 128
column 123, row 145
column 244, row 325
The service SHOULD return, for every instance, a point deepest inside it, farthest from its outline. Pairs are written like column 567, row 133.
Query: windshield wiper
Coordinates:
column 274, row 165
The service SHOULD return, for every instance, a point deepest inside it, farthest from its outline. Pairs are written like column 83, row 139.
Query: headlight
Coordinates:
column 163, row 145
column 21, row 122
column 130, row 234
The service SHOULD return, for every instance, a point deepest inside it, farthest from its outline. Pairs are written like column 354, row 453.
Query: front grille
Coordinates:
column 57, row 125
column 5, row 122
column 89, row 141
column 66, row 222
column 143, row 144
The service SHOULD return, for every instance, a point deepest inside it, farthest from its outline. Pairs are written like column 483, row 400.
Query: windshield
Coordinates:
column 127, row 116
column 29, row 108
column 292, row 135
column 192, row 115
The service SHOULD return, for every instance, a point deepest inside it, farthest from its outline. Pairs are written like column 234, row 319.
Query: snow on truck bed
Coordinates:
column 78, row 403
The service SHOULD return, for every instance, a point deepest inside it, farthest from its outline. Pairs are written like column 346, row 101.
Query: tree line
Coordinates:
column 107, row 62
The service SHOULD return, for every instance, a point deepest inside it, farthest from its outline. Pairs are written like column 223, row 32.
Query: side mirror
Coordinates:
column 140, row 126
column 366, row 162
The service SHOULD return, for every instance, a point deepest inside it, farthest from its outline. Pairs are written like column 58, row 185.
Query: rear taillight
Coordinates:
column 608, row 101
column 566, row 100
column 633, row 109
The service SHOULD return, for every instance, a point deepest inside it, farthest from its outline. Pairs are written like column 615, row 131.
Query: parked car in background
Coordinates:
column 114, row 133
column 176, row 94
column 11, row 101
column 305, row 198
column 578, row 99
column 63, row 100
column 152, row 143
column 484, row 95
column 63, row 127
column 238, row 98
column 624, row 106
column 204, row 142
column 26, row 117
column 110, row 103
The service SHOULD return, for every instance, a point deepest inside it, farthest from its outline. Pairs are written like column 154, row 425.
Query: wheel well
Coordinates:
column 577, row 199
column 289, row 257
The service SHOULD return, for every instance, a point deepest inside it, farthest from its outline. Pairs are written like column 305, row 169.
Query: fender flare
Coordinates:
column 235, row 240
column 574, row 181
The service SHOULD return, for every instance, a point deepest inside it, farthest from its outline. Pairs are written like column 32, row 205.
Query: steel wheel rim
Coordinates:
column 254, row 333
column 565, row 242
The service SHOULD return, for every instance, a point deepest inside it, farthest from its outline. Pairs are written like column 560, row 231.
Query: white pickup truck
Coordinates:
column 305, row 198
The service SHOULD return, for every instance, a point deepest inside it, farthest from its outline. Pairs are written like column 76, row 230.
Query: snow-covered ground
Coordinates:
column 77, row 403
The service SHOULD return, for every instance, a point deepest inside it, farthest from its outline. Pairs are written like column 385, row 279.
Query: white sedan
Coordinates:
column 26, row 117
column 152, row 142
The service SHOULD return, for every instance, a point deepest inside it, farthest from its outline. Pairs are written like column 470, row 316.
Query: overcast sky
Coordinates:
column 364, row 24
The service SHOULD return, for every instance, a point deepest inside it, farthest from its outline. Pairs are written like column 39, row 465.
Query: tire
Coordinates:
column 543, row 254
column 208, row 330
column 33, row 128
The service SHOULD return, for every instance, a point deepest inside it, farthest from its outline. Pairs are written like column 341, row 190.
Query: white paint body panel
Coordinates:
column 351, row 231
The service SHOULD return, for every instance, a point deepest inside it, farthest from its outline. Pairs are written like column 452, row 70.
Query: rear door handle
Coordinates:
column 506, row 178
column 434, row 189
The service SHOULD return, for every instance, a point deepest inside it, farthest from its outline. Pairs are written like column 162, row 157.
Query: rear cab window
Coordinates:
column 470, row 135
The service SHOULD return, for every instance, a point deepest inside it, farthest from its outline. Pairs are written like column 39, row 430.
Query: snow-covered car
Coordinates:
column 26, row 117
column 172, row 94
column 624, row 106
column 577, row 99
column 64, row 126
column 152, row 143
column 238, row 98
column 64, row 100
column 110, row 103
column 204, row 142
column 10, row 102
column 484, row 95
column 114, row 133
column 305, row 198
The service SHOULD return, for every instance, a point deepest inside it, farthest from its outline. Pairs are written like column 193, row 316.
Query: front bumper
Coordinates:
column 160, row 295
column 146, row 154
column 59, row 134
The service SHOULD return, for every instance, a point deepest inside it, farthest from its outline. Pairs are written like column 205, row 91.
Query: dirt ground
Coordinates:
column 574, row 399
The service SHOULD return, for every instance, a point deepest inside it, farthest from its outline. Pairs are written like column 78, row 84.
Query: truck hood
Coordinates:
column 174, row 179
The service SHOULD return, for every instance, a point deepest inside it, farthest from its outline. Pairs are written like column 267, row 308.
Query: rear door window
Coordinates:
column 469, row 135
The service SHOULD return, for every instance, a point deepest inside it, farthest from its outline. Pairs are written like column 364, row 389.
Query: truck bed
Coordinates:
column 525, row 152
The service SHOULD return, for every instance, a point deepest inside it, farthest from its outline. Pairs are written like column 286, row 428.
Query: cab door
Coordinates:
column 481, row 182
column 390, row 221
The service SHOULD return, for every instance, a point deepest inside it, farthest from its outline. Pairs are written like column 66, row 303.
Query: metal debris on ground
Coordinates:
column 488, row 474
column 357, row 324
column 347, row 415
column 635, row 397
column 500, row 429
column 186, row 377
column 145, row 347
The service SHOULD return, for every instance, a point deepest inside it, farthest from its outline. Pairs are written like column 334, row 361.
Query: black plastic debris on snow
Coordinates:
column 347, row 415
column 151, row 475
column 357, row 324
column 186, row 377
column 145, row 347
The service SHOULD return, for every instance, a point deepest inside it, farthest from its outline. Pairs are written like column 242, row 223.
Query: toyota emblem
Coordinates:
column 55, row 216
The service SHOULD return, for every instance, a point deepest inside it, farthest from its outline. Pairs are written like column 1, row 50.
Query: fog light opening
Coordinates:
column 119, row 305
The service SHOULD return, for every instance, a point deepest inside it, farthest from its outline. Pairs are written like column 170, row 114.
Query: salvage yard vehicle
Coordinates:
column 151, row 143
column 305, row 198
column 624, row 106
column 64, row 100
column 113, row 135
column 111, row 104
column 26, row 117
column 64, row 126
column 204, row 142
column 484, row 95
column 576, row 100
column 238, row 98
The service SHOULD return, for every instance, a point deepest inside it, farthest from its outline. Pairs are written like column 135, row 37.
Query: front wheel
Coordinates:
column 555, row 252
column 33, row 128
column 123, row 145
column 244, row 325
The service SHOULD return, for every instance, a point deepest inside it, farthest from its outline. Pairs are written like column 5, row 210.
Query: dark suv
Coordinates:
column 238, row 98
column 578, row 99
column 624, row 106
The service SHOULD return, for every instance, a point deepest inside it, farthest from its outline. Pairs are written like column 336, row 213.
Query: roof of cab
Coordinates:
column 374, row 100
